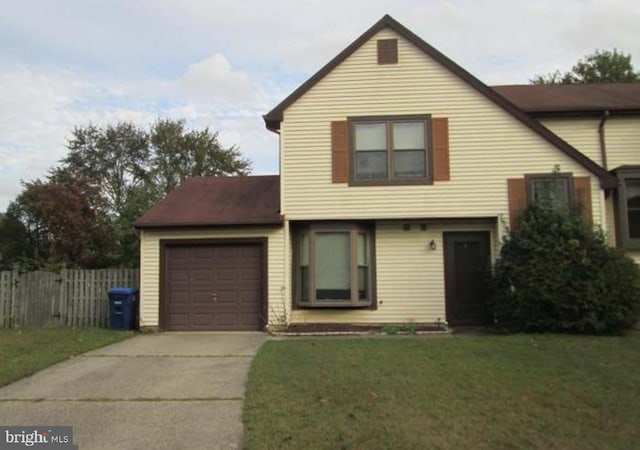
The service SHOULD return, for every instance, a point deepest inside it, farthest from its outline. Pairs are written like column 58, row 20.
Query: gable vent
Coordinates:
column 387, row 51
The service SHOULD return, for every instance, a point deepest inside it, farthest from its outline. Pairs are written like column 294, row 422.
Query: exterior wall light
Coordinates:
column 432, row 245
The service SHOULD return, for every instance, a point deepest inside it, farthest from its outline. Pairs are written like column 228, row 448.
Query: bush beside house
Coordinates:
column 555, row 273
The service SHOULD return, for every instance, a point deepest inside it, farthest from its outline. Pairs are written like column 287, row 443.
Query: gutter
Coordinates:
column 603, row 144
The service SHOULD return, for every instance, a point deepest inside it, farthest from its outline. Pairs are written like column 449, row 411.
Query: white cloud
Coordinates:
column 223, row 64
column 41, row 107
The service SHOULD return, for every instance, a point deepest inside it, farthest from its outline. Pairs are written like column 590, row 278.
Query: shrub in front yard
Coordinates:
column 555, row 273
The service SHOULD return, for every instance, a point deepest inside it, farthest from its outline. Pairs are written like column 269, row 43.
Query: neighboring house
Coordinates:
column 603, row 122
column 400, row 173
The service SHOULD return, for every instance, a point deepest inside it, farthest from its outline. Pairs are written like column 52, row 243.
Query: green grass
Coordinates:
column 25, row 351
column 484, row 392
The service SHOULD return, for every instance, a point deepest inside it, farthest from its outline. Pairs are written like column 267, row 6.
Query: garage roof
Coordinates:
column 210, row 201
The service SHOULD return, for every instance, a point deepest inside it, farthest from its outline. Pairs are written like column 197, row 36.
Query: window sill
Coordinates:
column 333, row 304
column 397, row 182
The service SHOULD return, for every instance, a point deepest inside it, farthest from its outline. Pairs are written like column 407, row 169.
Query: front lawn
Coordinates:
column 484, row 392
column 25, row 351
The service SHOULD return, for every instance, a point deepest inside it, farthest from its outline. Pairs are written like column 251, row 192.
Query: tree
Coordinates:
column 24, row 243
column 599, row 67
column 114, row 159
column 61, row 221
column 555, row 273
column 82, row 214
column 178, row 153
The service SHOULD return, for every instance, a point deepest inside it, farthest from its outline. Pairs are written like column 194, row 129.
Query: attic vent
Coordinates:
column 387, row 51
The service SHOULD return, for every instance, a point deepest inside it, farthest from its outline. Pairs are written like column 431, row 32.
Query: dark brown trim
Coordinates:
column 218, row 224
column 413, row 220
column 164, row 243
column 582, row 113
column 529, row 177
column 440, row 149
column 517, row 200
column 339, row 151
column 388, row 120
column 622, row 223
column 275, row 116
column 602, row 139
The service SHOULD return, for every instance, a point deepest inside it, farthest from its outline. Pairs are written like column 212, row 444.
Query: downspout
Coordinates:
column 603, row 144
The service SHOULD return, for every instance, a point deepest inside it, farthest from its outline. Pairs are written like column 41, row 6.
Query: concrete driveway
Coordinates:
column 158, row 391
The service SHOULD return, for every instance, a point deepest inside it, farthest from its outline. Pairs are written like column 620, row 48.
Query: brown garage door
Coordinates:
column 213, row 287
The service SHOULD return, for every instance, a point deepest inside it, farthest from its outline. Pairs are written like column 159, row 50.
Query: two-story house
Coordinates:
column 400, row 173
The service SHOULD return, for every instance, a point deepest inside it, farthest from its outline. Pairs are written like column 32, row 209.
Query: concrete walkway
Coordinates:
column 159, row 391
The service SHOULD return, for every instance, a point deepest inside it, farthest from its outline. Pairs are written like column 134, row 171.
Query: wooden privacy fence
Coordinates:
column 69, row 298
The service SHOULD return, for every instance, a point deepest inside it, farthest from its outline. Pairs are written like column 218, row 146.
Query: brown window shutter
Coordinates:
column 440, row 138
column 339, row 152
column 582, row 186
column 517, row 200
column 387, row 51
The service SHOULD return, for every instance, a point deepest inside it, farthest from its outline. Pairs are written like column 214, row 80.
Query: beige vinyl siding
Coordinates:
column 622, row 137
column 581, row 133
column 487, row 145
column 150, row 266
column 410, row 277
column 623, row 141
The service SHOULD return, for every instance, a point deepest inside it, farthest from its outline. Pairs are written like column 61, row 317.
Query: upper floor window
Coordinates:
column 629, row 208
column 551, row 190
column 390, row 150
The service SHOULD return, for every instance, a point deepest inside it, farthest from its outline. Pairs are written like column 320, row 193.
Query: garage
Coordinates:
column 213, row 285
column 204, row 255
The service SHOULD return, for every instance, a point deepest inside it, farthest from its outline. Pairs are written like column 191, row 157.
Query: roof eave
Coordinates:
column 221, row 223
column 571, row 113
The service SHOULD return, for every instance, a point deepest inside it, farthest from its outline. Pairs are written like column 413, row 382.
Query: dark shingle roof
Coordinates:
column 553, row 98
column 210, row 201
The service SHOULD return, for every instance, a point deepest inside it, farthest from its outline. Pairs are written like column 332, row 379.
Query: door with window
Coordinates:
column 467, row 259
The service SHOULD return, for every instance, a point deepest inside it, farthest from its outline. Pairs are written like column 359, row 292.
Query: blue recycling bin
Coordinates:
column 123, row 308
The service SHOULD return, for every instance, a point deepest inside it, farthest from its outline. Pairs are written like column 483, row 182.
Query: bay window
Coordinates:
column 333, row 264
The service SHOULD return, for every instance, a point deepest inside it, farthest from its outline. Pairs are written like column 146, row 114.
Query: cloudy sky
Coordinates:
column 222, row 64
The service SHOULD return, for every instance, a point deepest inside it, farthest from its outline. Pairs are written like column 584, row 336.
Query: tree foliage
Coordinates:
column 556, row 274
column 82, row 214
column 178, row 153
column 600, row 67
column 60, row 221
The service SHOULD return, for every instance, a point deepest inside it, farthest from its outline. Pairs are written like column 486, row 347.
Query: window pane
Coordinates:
column 408, row 135
column 304, row 283
column 370, row 136
column 633, row 207
column 371, row 165
column 363, row 269
column 363, row 257
column 303, row 251
column 332, row 266
column 551, row 192
column 409, row 164
column 363, row 283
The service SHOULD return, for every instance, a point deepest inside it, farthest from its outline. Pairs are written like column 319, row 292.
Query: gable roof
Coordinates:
column 210, row 201
column 548, row 100
column 275, row 116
